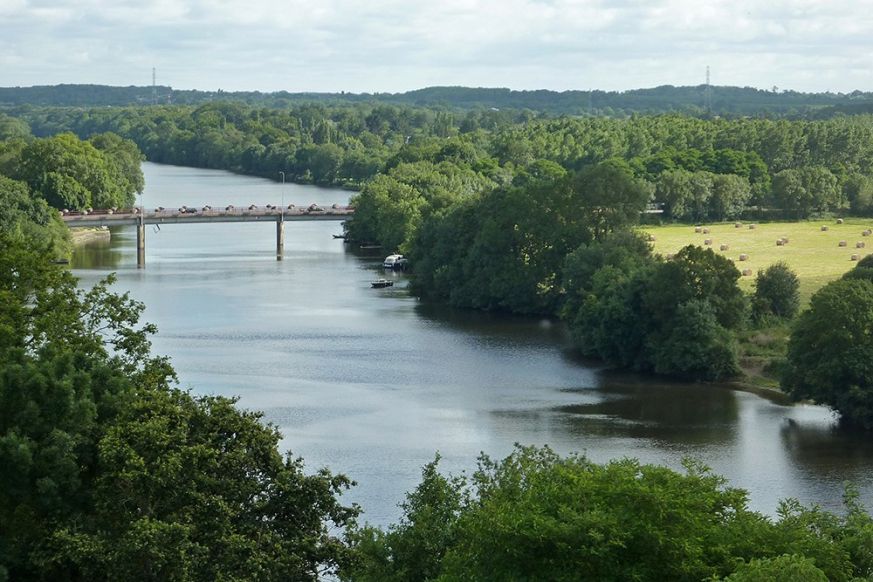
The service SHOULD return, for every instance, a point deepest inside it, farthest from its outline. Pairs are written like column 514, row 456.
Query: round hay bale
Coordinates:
column 867, row 232
column 854, row 258
column 751, row 227
column 738, row 225
column 824, row 229
column 651, row 238
column 839, row 221
column 780, row 242
column 860, row 244
column 708, row 242
column 723, row 247
column 843, row 243
column 747, row 272
column 705, row 231
column 697, row 229
column 744, row 257
column 785, row 240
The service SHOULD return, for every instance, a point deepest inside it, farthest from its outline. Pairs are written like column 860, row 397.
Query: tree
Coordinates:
column 730, row 194
column 123, row 159
column 785, row 568
column 27, row 219
column 63, row 169
column 830, row 353
column 776, row 292
column 194, row 488
column 609, row 197
column 695, row 346
column 801, row 191
column 623, row 250
column 413, row 549
column 611, row 323
column 696, row 273
column 110, row 472
column 674, row 190
column 858, row 190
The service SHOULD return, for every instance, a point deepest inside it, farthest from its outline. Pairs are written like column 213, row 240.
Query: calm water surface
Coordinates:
column 371, row 382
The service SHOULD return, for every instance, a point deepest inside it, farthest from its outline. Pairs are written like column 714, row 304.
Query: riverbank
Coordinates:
column 81, row 236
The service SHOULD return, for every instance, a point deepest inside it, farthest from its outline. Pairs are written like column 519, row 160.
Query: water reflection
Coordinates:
column 821, row 447
column 105, row 253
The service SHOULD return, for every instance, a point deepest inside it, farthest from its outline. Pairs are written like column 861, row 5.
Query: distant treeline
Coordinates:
column 696, row 169
column 695, row 100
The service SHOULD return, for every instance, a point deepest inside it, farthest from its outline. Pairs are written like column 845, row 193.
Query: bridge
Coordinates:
column 185, row 215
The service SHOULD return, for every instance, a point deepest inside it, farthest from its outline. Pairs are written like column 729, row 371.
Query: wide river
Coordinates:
column 372, row 383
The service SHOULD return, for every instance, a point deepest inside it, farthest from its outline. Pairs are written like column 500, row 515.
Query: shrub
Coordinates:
column 777, row 292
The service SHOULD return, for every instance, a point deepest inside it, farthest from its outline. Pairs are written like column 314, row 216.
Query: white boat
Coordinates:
column 392, row 261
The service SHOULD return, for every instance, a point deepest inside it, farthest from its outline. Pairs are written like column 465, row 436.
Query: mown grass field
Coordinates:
column 814, row 255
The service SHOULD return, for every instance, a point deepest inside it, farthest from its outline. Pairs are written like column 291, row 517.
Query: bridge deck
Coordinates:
column 207, row 216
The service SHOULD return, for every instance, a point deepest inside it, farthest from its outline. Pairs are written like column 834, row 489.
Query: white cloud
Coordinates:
column 391, row 45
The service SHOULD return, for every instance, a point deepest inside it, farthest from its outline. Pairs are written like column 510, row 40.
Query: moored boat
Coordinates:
column 380, row 283
column 392, row 261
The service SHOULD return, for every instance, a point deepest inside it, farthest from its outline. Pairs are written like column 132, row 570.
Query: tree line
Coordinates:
column 698, row 100
column 698, row 169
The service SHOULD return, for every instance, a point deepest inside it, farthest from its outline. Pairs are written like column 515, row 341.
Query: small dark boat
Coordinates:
column 381, row 283
column 342, row 236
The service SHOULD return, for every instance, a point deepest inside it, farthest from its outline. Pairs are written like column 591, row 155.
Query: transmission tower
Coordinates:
column 707, row 93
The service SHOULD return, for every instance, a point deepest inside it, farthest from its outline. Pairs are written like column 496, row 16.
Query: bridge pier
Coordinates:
column 280, row 240
column 140, row 243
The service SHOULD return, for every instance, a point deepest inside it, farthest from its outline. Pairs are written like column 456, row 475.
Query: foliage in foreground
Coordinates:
column 111, row 473
column 538, row 516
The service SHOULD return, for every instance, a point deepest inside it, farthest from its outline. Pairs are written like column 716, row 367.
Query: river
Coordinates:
column 372, row 383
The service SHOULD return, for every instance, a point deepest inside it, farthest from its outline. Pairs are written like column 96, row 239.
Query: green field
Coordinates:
column 814, row 255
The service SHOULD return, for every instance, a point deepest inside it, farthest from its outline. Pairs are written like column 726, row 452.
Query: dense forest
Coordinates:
column 695, row 100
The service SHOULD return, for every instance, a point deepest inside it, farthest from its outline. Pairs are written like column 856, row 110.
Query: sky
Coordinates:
column 399, row 45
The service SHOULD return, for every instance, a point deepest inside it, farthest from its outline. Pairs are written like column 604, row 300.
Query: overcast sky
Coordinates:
column 398, row 45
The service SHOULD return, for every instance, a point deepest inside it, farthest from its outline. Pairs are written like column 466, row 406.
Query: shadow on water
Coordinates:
column 826, row 448
column 523, row 329
column 638, row 407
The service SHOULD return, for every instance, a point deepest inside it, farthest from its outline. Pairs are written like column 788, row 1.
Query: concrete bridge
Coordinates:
column 185, row 215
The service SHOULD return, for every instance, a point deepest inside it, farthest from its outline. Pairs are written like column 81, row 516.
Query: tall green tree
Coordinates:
column 830, row 353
